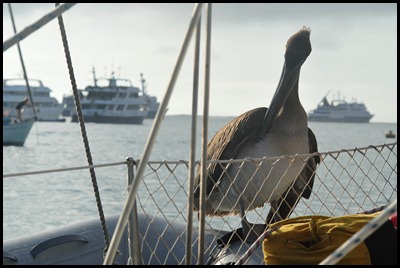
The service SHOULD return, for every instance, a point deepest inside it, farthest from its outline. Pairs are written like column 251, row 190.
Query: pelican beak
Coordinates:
column 298, row 48
column 288, row 80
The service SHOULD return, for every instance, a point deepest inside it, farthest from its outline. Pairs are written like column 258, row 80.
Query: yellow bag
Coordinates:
column 310, row 239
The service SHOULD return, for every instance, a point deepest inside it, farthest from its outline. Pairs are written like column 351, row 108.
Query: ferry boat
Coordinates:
column 47, row 108
column 339, row 110
column 112, row 100
column 152, row 104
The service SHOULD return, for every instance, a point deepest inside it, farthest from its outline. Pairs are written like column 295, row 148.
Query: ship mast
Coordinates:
column 94, row 76
column 142, row 80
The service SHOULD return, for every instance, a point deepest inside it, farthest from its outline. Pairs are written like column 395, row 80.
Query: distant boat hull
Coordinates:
column 151, row 114
column 345, row 119
column 53, row 120
column 137, row 120
column 66, row 112
column 45, row 114
column 16, row 133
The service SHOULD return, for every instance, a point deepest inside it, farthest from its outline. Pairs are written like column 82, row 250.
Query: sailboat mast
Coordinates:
column 23, row 65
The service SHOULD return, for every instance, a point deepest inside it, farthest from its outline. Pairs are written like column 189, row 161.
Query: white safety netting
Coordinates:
column 346, row 182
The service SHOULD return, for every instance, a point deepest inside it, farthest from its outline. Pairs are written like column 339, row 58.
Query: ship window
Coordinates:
column 110, row 107
column 120, row 107
column 122, row 94
column 18, row 93
column 132, row 107
column 41, row 94
column 134, row 95
column 106, row 95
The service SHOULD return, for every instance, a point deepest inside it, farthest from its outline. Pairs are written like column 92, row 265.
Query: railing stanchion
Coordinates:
column 135, row 256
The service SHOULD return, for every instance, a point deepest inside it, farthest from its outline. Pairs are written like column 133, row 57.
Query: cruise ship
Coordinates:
column 112, row 100
column 47, row 108
column 339, row 110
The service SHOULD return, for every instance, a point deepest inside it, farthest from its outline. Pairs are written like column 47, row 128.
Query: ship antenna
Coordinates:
column 142, row 80
column 327, row 94
column 94, row 76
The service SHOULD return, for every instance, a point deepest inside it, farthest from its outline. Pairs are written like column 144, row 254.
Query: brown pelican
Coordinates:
column 280, row 130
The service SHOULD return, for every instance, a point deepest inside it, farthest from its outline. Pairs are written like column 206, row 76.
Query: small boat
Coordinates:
column 112, row 100
column 47, row 108
column 339, row 110
column 15, row 132
column 390, row 135
column 15, row 128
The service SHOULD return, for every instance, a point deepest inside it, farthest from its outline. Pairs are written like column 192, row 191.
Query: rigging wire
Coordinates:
column 83, row 131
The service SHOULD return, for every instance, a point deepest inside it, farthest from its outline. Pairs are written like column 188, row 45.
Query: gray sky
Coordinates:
column 354, row 51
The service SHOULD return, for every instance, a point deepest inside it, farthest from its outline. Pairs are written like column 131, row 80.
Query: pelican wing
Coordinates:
column 308, row 173
column 226, row 143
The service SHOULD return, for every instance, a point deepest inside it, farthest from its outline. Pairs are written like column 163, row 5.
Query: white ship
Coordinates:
column 339, row 110
column 112, row 100
column 47, row 107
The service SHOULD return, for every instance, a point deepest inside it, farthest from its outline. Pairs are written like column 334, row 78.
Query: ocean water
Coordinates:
column 40, row 202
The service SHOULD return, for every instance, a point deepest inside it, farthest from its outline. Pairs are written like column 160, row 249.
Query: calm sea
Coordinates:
column 41, row 202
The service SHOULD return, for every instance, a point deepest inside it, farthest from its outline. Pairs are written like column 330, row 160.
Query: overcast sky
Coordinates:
column 354, row 51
